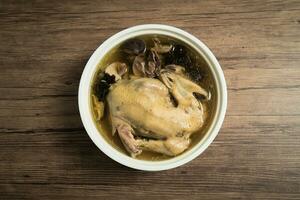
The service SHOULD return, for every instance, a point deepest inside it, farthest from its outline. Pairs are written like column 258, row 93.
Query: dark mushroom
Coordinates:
column 134, row 46
column 154, row 64
column 148, row 65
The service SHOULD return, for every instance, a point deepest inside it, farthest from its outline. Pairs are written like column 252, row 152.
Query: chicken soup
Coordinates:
column 153, row 97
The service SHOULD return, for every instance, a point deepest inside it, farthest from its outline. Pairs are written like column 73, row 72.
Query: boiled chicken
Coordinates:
column 156, row 115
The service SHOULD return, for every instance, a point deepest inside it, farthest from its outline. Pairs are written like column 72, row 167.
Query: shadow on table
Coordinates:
column 86, row 162
column 94, row 167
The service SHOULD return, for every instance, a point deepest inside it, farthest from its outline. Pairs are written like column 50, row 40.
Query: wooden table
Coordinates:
column 45, row 152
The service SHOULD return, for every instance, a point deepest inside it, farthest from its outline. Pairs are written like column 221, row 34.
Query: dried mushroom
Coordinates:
column 147, row 65
column 154, row 64
column 116, row 69
column 138, row 66
column 134, row 46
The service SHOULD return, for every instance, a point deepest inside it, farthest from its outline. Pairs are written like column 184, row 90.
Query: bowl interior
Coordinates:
column 91, row 69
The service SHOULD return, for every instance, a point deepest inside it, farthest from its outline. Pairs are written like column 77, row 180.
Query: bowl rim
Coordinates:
column 85, row 88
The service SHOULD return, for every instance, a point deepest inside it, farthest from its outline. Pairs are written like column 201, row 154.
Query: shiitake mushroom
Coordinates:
column 154, row 63
column 148, row 62
column 134, row 46
column 147, row 65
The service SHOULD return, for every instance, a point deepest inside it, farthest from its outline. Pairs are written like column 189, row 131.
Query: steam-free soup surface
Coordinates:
column 179, row 54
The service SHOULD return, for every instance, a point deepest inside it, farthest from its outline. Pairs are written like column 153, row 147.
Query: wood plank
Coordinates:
column 45, row 152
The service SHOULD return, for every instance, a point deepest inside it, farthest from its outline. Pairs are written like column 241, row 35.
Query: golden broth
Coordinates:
column 207, row 82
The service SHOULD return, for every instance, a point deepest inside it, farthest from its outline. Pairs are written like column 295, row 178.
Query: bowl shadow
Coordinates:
column 83, row 162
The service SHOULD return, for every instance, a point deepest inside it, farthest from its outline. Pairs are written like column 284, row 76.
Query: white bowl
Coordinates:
column 85, row 89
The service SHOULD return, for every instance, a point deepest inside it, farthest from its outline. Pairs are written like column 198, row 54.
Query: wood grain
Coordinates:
column 45, row 152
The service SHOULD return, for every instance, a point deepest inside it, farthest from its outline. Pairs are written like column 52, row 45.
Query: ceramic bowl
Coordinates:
column 85, row 90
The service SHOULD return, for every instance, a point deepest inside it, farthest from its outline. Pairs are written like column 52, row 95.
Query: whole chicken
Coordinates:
column 156, row 115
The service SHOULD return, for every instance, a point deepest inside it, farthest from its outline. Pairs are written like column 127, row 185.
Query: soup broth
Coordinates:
column 196, row 69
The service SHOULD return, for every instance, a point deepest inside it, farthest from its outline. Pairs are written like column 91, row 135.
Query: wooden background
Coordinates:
column 45, row 152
